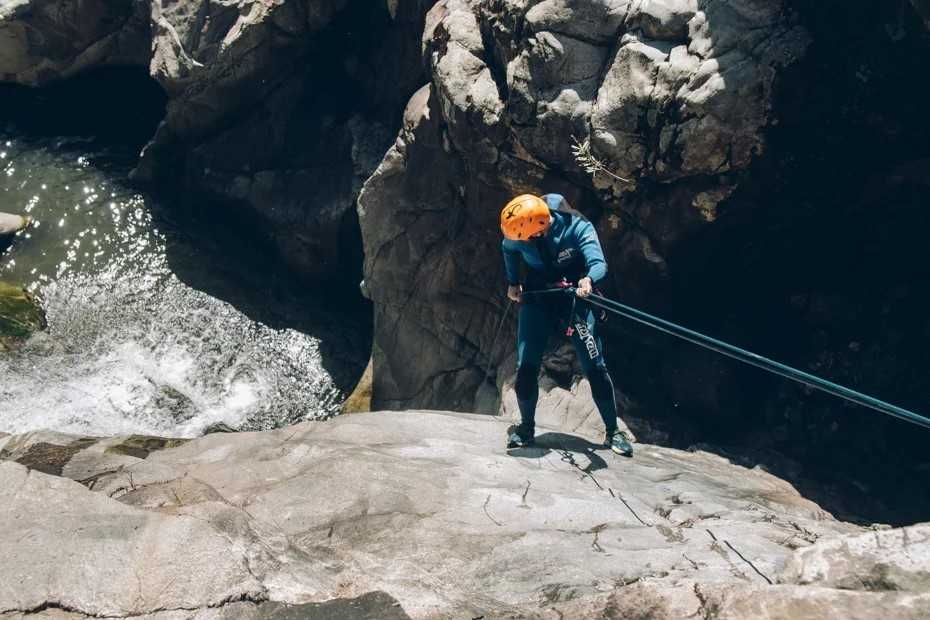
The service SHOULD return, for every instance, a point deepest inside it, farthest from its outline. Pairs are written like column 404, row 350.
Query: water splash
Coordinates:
column 130, row 347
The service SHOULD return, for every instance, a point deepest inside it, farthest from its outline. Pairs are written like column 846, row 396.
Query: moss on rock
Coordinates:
column 50, row 458
column 20, row 315
column 360, row 399
column 140, row 446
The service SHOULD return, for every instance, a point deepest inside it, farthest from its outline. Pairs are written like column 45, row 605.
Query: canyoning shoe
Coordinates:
column 520, row 437
column 619, row 442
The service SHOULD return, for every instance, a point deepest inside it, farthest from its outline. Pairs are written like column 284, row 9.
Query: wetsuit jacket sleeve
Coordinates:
column 590, row 248
column 511, row 264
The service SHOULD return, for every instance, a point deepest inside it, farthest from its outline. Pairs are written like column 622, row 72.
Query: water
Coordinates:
column 142, row 336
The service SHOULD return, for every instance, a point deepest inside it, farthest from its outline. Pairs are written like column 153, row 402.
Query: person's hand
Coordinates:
column 584, row 287
column 515, row 292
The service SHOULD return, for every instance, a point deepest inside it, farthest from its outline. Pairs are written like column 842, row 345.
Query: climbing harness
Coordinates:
column 742, row 355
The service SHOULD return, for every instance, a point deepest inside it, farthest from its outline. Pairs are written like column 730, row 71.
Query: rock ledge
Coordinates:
column 423, row 515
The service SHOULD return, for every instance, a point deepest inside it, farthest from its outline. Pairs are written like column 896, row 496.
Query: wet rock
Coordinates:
column 20, row 315
column 219, row 427
column 140, row 446
column 51, row 458
column 9, row 226
column 426, row 508
column 12, row 224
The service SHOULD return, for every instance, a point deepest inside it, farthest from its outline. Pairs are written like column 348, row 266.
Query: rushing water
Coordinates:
column 135, row 344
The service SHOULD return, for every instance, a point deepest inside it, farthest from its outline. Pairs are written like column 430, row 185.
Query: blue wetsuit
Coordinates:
column 570, row 249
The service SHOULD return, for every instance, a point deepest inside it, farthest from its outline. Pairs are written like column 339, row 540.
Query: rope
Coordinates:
column 747, row 357
column 497, row 334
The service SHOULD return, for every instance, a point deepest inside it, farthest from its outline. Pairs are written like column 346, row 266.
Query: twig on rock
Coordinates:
column 567, row 457
column 751, row 565
column 523, row 499
column 742, row 557
column 588, row 162
column 619, row 496
column 493, row 520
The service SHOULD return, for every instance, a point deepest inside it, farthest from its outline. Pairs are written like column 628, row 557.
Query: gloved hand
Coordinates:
column 585, row 287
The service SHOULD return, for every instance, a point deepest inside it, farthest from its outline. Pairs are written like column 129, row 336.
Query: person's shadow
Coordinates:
column 567, row 445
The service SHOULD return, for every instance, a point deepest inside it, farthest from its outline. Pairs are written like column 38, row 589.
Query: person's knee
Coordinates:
column 526, row 384
column 599, row 378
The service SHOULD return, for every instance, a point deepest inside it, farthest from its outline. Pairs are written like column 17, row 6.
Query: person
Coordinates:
column 557, row 245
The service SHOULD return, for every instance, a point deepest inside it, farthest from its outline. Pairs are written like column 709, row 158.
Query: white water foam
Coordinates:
column 131, row 348
column 172, row 364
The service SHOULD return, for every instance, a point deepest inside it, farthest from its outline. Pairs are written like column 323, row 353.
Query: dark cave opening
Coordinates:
column 117, row 107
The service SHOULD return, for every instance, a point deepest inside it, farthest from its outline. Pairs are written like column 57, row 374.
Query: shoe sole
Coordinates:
column 616, row 450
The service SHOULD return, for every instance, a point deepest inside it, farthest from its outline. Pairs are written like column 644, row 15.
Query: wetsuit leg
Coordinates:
column 532, row 334
column 589, row 348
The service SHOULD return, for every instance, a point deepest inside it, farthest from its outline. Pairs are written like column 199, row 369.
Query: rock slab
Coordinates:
column 427, row 513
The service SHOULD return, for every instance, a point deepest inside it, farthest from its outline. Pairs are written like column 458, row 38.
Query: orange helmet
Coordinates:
column 524, row 216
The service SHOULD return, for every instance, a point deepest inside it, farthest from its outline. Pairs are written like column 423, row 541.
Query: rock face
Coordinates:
column 671, row 95
column 248, row 65
column 262, row 119
column 46, row 40
column 422, row 514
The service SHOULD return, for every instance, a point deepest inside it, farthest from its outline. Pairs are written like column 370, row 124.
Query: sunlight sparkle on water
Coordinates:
column 130, row 347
